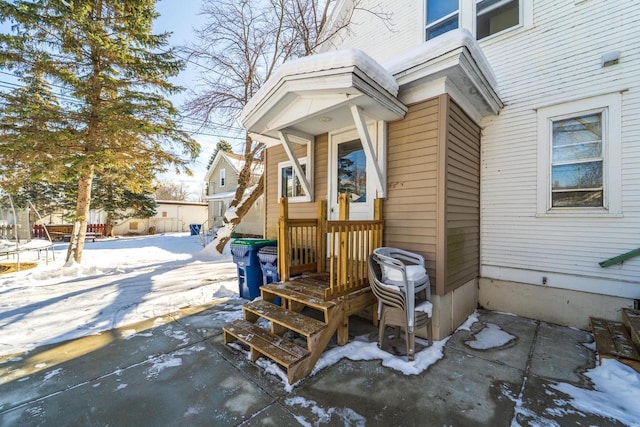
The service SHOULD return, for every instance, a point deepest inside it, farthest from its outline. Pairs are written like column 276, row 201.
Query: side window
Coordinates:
column 579, row 157
column 223, row 176
column 442, row 16
column 577, row 161
column 494, row 16
column 482, row 17
column 288, row 182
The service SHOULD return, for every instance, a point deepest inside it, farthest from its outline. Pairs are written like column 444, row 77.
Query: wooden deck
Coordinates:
column 619, row 340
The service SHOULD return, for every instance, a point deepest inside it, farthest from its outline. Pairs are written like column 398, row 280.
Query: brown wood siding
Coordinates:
column 462, row 198
column 276, row 155
column 412, row 171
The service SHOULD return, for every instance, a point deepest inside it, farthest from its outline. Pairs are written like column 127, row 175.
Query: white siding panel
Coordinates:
column 369, row 30
column 556, row 61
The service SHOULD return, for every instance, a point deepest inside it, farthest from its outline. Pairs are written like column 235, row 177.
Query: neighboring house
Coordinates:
column 171, row 216
column 222, row 181
column 502, row 136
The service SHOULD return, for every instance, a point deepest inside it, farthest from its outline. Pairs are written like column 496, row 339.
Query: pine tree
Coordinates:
column 101, row 80
column 221, row 145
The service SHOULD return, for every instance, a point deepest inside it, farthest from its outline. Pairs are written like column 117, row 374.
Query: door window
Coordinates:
column 352, row 171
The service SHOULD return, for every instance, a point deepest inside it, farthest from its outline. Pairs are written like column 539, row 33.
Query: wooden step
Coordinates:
column 613, row 341
column 293, row 291
column 287, row 319
column 631, row 320
column 264, row 343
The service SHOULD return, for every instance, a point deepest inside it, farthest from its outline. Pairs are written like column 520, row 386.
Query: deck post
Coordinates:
column 343, row 207
column 377, row 209
column 378, row 204
column 321, row 236
column 343, row 242
column 284, row 250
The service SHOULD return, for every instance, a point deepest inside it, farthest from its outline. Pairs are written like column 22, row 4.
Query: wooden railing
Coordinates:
column 303, row 244
column 351, row 243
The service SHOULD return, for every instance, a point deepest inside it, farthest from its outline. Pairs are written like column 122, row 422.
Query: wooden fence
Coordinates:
column 64, row 229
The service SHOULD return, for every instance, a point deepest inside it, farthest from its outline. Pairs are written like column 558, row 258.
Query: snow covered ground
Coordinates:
column 120, row 281
column 125, row 280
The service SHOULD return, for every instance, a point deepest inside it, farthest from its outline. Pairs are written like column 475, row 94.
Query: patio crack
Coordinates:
column 518, row 408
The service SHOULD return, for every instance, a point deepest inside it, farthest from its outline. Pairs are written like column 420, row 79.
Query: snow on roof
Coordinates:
column 437, row 47
column 235, row 160
column 237, row 163
column 333, row 60
column 221, row 196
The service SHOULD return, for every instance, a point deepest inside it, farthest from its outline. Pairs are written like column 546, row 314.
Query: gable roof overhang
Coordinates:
column 315, row 94
column 452, row 63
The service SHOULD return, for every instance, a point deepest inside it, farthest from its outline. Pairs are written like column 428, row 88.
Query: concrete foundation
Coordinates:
column 452, row 309
column 560, row 306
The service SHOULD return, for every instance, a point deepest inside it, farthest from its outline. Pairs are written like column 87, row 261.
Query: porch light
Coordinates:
column 325, row 119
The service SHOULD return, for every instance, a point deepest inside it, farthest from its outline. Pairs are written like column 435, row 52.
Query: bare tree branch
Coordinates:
column 242, row 44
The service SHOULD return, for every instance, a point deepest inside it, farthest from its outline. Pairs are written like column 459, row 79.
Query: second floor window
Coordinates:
column 485, row 17
column 442, row 16
column 222, row 177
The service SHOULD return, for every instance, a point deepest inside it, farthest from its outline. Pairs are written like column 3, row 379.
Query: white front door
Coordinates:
column 348, row 174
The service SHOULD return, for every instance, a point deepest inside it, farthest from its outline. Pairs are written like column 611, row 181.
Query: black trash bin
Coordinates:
column 245, row 255
column 268, row 256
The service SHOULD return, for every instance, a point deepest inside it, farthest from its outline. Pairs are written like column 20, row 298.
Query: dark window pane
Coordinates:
column 352, row 171
column 437, row 9
column 580, row 199
column 291, row 186
column 287, row 182
column 443, row 27
column 494, row 16
column 578, row 175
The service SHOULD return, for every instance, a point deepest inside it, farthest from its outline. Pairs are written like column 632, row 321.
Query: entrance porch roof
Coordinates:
column 315, row 94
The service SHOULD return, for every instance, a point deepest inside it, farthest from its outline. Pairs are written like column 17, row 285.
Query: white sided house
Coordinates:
column 502, row 135
column 222, row 180
column 171, row 216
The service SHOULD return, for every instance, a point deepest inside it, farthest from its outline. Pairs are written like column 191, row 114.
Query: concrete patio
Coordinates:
column 175, row 370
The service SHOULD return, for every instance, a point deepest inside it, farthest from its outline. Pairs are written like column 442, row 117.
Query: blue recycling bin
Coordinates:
column 268, row 257
column 245, row 255
column 195, row 229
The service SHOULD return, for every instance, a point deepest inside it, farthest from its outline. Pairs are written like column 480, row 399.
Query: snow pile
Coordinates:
column 440, row 46
column 334, row 60
column 616, row 392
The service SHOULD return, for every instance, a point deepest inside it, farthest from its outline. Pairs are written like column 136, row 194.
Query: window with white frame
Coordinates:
column 223, row 175
column 577, row 161
column 442, row 16
column 288, row 182
column 579, row 156
column 483, row 18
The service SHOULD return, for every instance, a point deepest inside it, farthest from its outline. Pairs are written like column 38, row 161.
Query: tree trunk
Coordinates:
column 108, row 226
column 229, row 224
column 76, row 243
